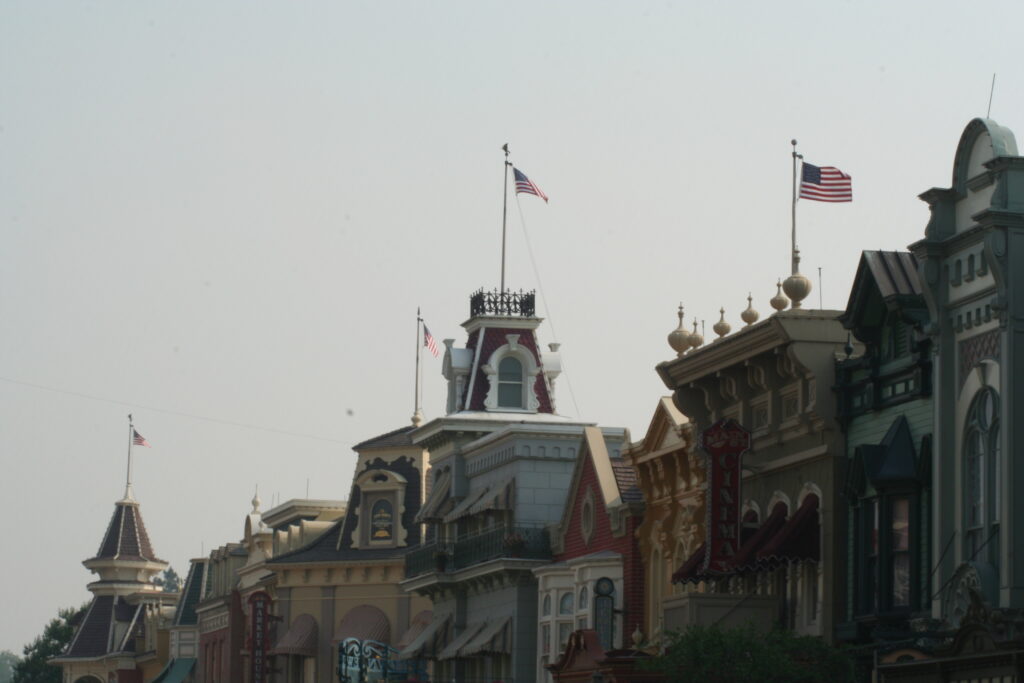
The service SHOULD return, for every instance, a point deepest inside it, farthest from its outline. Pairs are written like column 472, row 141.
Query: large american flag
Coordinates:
column 429, row 341
column 825, row 184
column 139, row 440
column 524, row 184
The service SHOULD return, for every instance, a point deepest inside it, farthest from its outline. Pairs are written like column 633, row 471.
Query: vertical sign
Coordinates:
column 724, row 443
column 259, row 635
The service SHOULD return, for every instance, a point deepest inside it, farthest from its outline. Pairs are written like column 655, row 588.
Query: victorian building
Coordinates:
column 501, row 463
column 184, row 629
column 773, row 554
column 886, row 411
column 970, row 268
column 596, row 581
column 343, row 616
column 122, row 636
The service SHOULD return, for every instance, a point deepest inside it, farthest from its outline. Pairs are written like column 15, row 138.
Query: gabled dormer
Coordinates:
column 887, row 313
column 501, row 368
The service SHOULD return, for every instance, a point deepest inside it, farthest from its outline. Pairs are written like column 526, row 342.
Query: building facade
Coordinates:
column 501, row 461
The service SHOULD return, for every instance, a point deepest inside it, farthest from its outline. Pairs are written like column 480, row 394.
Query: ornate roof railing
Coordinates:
column 503, row 303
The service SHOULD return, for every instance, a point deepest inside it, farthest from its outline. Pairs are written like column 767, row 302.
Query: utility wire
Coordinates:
column 132, row 404
column 544, row 302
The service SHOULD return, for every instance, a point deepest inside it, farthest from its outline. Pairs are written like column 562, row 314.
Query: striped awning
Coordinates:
column 464, row 507
column 438, row 495
column 430, row 641
column 419, row 622
column 364, row 622
column 492, row 639
column 300, row 638
column 455, row 648
column 500, row 496
column 176, row 671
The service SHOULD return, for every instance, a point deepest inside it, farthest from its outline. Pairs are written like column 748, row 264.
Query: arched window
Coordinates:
column 982, row 466
column 382, row 522
column 604, row 611
column 546, row 609
column 510, row 383
column 565, row 604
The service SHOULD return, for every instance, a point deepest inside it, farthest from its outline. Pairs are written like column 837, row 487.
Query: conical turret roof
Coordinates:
column 126, row 537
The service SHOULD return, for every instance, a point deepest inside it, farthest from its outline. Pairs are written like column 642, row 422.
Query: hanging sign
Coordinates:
column 724, row 444
column 259, row 635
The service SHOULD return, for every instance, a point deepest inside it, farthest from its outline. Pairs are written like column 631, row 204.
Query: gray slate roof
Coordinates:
column 126, row 537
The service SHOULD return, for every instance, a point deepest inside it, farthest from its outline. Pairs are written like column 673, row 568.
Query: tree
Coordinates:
column 33, row 667
column 7, row 661
column 710, row 654
column 169, row 580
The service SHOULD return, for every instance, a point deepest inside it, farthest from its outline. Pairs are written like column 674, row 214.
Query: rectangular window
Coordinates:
column 870, row 539
column 900, row 548
column 564, row 629
column 545, row 638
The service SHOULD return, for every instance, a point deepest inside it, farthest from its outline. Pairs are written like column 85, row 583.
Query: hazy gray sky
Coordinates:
column 231, row 210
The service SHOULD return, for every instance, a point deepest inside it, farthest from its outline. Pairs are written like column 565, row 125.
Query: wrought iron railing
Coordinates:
column 531, row 543
column 503, row 303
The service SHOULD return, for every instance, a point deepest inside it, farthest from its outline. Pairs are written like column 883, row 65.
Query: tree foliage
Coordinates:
column 710, row 654
column 169, row 580
column 33, row 667
column 7, row 661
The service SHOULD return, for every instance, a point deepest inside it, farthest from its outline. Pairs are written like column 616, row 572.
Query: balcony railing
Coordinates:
column 531, row 543
column 503, row 303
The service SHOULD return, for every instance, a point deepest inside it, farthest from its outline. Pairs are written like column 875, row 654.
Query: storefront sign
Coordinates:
column 724, row 443
column 259, row 635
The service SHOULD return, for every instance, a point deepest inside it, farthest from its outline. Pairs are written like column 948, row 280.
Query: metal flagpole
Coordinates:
column 795, row 256
column 504, row 218
column 417, row 416
column 128, row 478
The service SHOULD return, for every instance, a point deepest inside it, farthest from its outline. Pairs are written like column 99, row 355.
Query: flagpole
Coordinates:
column 417, row 415
column 128, row 478
column 796, row 286
column 504, row 218
column 795, row 254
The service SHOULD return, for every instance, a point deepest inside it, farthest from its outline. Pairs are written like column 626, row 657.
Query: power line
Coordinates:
column 178, row 413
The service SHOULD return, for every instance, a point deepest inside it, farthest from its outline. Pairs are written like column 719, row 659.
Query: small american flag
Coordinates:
column 524, row 184
column 825, row 184
column 139, row 440
column 429, row 341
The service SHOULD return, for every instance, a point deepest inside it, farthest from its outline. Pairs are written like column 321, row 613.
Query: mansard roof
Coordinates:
column 126, row 537
column 396, row 438
column 888, row 278
column 191, row 594
column 96, row 636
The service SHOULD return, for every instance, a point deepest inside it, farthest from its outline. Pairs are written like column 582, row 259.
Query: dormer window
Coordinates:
column 510, row 383
column 383, row 522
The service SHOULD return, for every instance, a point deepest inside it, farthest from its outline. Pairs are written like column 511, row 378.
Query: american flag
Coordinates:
column 524, row 184
column 429, row 341
column 825, row 184
column 139, row 440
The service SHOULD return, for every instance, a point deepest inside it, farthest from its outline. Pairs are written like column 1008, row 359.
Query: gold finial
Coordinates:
column 750, row 315
column 678, row 338
column 779, row 301
column 721, row 328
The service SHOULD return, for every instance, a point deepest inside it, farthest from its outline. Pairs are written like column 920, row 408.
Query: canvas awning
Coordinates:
column 430, row 640
column 463, row 508
column 798, row 540
column 454, row 649
column 300, row 639
column 176, row 671
column 500, row 496
column 364, row 622
column 416, row 625
column 746, row 556
column 688, row 571
column 438, row 495
column 492, row 639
